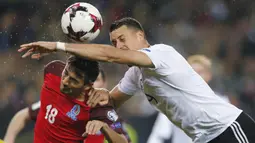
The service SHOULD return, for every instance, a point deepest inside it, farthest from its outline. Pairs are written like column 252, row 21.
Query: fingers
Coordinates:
column 93, row 100
column 30, row 47
column 28, row 53
column 38, row 55
column 98, row 96
column 91, row 94
column 104, row 102
column 41, row 49
column 88, row 127
column 27, row 46
column 97, row 128
column 93, row 127
column 84, row 134
column 97, row 99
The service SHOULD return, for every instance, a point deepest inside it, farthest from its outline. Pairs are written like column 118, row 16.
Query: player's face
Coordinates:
column 126, row 38
column 72, row 83
column 202, row 71
column 99, row 83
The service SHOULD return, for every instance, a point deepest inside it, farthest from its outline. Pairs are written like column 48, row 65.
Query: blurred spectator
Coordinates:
column 6, row 26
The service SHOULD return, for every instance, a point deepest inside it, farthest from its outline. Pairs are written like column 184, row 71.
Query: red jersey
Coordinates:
column 63, row 119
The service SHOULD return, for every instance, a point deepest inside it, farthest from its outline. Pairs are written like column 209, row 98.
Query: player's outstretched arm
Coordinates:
column 17, row 123
column 117, row 97
column 97, row 52
column 109, row 53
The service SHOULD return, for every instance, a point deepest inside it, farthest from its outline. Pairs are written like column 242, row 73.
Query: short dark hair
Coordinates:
column 89, row 68
column 102, row 74
column 127, row 21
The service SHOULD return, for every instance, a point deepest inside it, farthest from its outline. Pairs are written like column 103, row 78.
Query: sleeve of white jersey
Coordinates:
column 129, row 84
column 158, row 54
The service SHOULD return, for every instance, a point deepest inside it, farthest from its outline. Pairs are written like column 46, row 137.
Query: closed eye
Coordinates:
column 74, row 80
column 122, row 39
column 114, row 43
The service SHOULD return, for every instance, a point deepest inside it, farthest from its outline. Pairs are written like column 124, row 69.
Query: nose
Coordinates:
column 65, row 80
column 119, row 45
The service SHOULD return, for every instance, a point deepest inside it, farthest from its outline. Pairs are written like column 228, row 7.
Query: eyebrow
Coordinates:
column 117, row 38
column 76, row 71
column 79, row 75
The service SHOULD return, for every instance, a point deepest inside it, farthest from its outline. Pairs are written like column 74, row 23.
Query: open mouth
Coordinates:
column 66, row 90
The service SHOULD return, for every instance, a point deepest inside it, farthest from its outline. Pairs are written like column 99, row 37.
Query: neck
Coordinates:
column 146, row 44
column 142, row 44
column 83, row 95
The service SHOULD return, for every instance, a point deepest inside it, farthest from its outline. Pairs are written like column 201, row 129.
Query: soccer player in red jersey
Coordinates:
column 30, row 113
column 64, row 115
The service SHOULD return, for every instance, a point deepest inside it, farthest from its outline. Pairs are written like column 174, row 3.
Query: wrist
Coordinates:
column 105, row 126
column 60, row 46
column 111, row 101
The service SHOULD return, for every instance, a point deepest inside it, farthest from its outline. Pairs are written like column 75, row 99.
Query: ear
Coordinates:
column 140, row 35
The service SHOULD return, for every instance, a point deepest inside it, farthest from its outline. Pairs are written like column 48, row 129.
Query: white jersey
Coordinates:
column 164, row 130
column 224, row 97
column 180, row 93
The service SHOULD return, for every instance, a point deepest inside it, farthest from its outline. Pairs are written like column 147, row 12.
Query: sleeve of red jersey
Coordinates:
column 108, row 115
column 34, row 110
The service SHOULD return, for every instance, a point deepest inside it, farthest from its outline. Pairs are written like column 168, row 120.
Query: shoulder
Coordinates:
column 158, row 47
column 159, row 54
column 104, row 113
column 56, row 67
column 132, row 73
column 133, row 70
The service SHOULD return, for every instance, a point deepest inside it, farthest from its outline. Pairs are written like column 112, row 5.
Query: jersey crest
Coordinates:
column 74, row 112
column 112, row 116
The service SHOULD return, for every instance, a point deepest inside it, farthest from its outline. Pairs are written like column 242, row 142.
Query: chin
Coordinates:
column 68, row 94
column 62, row 90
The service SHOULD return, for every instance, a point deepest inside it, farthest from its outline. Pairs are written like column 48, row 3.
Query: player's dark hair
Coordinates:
column 127, row 21
column 102, row 74
column 90, row 69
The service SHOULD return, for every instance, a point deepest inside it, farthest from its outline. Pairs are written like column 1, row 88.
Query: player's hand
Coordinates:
column 93, row 127
column 98, row 96
column 38, row 49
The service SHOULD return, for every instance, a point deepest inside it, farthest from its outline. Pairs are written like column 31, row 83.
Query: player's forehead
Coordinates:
column 73, row 72
column 121, row 31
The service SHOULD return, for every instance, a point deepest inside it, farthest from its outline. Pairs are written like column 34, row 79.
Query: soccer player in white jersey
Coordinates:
column 171, row 83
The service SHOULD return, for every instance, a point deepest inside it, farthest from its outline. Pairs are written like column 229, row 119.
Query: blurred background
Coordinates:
column 223, row 30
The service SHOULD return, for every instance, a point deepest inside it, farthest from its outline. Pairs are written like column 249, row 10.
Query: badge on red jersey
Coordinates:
column 74, row 112
column 112, row 116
